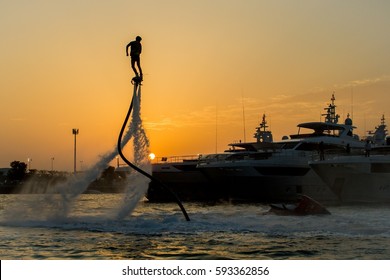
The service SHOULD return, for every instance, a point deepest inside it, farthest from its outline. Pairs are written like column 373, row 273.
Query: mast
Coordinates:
column 243, row 116
column 262, row 134
column 330, row 115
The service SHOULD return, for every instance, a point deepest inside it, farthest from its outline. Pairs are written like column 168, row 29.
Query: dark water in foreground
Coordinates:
column 28, row 230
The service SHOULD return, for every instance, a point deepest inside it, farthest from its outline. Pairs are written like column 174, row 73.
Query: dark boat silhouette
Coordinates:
column 305, row 206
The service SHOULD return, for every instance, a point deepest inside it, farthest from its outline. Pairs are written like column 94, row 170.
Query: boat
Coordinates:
column 182, row 176
column 304, row 206
column 263, row 170
column 178, row 174
column 280, row 170
column 363, row 178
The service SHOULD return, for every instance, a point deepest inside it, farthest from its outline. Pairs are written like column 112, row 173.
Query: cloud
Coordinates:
column 20, row 119
column 283, row 108
column 370, row 81
column 159, row 125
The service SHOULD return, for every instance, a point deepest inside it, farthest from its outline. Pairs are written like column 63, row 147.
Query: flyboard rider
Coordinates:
column 135, row 51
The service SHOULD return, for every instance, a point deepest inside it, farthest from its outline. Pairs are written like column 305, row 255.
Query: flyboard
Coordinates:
column 136, row 81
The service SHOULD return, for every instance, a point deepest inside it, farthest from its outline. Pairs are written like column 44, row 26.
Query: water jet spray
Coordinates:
column 136, row 81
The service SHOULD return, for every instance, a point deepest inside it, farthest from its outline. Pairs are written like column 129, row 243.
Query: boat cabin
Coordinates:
column 318, row 129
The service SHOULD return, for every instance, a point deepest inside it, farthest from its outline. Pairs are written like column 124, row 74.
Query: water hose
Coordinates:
column 136, row 168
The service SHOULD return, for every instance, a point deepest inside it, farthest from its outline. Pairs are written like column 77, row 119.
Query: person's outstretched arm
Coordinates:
column 127, row 49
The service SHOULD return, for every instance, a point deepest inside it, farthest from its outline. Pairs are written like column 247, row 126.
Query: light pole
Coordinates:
column 75, row 131
column 29, row 160
column 52, row 164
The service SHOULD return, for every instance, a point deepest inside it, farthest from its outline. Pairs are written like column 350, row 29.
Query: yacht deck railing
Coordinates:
column 175, row 159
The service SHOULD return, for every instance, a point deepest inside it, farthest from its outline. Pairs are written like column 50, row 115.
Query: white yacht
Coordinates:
column 280, row 171
column 360, row 178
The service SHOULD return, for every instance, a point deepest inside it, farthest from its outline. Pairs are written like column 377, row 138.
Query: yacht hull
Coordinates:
column 280, row 177
column 357, row 179
column 246, row 184
column 183, row 179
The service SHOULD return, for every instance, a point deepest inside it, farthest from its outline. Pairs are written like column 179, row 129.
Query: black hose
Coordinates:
column 136, row 168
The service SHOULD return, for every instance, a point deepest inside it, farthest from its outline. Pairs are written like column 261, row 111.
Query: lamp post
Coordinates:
column 52, row 164
column 29, row 160
column 75, row 131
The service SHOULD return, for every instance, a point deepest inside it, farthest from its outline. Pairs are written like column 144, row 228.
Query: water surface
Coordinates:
column 32, row 228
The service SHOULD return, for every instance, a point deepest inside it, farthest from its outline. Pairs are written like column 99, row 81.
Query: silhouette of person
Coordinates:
column 135, row 51
column 367, row 148
column 348, row 149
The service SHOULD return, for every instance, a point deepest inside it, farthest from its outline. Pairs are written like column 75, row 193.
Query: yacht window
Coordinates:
column 320, row 131
column 308, row 147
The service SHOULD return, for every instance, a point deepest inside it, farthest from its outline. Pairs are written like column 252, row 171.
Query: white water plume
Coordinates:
column 59, row 199
column 138, row 184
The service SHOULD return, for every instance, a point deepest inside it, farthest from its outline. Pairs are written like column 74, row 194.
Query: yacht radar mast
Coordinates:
column 330, row 115
column 380, row 133
column 383, row 120
column 262, row 134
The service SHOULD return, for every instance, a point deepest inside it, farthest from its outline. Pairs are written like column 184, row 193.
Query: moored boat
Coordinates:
column 181, row 176
column 280, row 171
column 263, row 170
column 360, row 178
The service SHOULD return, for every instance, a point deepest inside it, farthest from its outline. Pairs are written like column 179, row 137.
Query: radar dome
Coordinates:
column 348, row 121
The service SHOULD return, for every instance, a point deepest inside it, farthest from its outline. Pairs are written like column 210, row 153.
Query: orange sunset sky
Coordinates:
column 206, row 63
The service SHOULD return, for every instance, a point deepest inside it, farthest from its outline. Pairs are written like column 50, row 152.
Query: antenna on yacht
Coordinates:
column 263, row 124
column 216, row 128
column 351, row 102
column 243, row 116
column 136, row 81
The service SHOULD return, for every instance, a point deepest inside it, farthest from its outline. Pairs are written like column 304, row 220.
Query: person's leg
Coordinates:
column 133, row 66
column 139, row 68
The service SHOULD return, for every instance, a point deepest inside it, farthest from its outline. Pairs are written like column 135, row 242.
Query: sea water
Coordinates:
column 92, row 230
